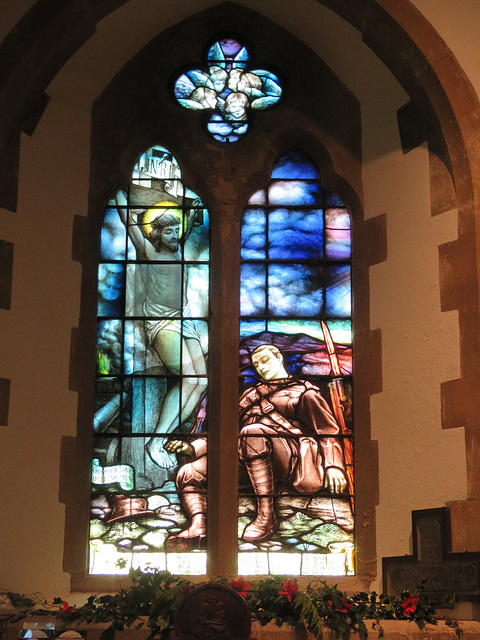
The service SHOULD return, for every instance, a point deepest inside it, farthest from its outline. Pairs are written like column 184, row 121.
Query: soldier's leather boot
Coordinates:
column 195, row 537
column 265, row 524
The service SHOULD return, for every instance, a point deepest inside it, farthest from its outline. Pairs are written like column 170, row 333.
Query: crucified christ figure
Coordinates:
column 174, row 337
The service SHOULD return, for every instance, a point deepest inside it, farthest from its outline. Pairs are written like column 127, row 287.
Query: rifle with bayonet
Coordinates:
column 338, row 399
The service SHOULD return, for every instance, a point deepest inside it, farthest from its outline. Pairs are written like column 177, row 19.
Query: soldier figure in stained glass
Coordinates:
column 176, row 341
column 281, row 406
column 287, row 433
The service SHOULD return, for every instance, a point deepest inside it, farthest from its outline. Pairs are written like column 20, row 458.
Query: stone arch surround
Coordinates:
column 442, row 98
column 332, row 138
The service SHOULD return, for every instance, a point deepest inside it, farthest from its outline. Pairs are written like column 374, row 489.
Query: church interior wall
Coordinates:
column 421, row 464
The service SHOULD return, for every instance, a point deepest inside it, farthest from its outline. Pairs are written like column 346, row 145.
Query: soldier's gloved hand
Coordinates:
column 179, row 446
column 335, row 480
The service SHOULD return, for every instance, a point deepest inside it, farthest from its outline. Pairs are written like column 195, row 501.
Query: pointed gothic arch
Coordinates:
column 425, row 72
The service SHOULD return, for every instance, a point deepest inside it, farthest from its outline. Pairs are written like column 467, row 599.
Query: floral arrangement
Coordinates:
column 153, row 598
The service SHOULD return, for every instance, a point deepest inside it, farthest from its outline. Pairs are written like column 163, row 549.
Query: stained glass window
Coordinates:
column 151, row 381
column 227, row 89
column 295, row 409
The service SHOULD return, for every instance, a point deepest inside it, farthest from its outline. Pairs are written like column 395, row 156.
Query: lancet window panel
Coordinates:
column 296, row 500
column 152, row 369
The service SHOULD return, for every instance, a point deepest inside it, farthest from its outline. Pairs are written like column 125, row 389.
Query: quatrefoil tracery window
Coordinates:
column 227, row 89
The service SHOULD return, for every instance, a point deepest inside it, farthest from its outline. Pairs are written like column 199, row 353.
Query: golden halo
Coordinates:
column 162, row 208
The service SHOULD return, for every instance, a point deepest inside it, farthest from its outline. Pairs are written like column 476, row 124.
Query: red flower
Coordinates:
column 241, row 586
column 345, row 606
column 66, row 609
column 409, row 605
column 290, row 589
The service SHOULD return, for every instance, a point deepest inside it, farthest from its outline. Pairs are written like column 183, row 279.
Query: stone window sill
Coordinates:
column 392, row 630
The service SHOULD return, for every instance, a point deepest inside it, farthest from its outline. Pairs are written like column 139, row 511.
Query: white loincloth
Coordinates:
column 169, row 321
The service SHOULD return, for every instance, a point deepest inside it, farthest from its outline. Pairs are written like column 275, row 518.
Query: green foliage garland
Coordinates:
column 153, row 599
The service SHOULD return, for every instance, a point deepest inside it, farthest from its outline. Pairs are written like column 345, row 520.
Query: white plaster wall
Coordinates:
column 421, row 466
column 45, row 307
column 458, row 23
